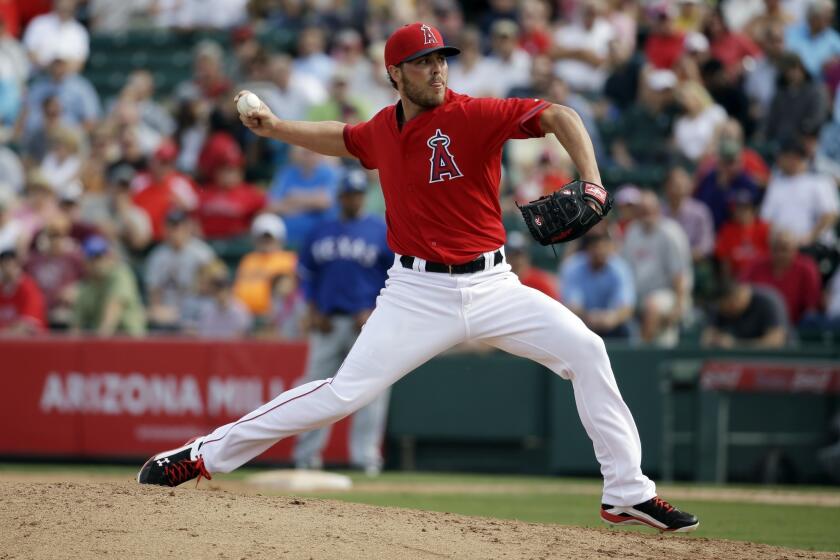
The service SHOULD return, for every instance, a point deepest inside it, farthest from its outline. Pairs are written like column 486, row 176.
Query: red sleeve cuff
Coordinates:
column 530, row 122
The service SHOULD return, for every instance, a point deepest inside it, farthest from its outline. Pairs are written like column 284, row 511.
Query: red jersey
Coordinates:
column 174, row 191
column 22, row 302
column 440, row 173
column 663, row 51
column 799, row 285
column 741, row 245
column 228, row 212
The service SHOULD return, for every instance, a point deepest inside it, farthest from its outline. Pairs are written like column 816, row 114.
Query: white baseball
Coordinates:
column 247, row 103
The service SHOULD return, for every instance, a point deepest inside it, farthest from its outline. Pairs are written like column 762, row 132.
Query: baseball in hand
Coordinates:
column 247, row 103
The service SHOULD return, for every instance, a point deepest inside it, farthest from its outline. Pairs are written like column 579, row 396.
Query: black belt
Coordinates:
column 466, row 268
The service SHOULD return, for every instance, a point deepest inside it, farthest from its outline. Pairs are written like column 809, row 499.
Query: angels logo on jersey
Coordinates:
column 428, row 36
column 442, row 162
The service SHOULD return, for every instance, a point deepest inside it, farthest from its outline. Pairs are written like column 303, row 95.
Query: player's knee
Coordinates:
column 593, row 345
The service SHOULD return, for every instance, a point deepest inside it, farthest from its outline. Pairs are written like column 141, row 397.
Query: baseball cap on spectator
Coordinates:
column 167, row 152
column 354, row 181
column 661, row 10
column 660, row 80
column 741, row 197
column 628, row 194
column 95, row 246
column 504, row 28
column 414, row 40
column 176, row 217
column 37, row 180
column 242, row 33
column 729, row 149
column 792, row 145
column 696, row 43
column 348, row 38
column 231, row 157
column 592, row 238
column 122, row 175
column 269, row 224
column 71, row 192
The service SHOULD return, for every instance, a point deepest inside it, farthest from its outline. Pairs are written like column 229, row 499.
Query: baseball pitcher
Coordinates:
column 439, row 159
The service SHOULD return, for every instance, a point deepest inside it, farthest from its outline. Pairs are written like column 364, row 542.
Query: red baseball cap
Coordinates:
column 413, row 41
column 167, row 151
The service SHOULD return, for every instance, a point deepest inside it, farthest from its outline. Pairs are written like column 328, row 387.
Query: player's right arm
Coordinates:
column 326, row 137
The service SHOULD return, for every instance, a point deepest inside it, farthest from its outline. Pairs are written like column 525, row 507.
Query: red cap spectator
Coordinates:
column 167, row 152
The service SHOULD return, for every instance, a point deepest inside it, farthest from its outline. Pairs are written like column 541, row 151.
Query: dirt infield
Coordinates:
column 81, row 520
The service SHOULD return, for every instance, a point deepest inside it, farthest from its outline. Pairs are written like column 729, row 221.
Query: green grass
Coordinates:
column 561, row 501
column 790, row 526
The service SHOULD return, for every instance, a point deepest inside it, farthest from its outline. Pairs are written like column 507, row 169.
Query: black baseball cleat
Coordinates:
column 173, row 467
column 656, row 513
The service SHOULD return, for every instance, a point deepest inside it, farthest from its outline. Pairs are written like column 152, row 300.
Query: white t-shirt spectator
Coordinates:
column 12, row 173
column 10, row 234
column 509, row 73
column 657, row 256
column 582, row 76
column 796, row 203
column 46, row 31
column 60, row 173
column 174, row 272
column 694, row 135
column 478, row 81
column 214, row 320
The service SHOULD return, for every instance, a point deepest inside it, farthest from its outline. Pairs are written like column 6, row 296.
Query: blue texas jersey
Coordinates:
column 343, row 264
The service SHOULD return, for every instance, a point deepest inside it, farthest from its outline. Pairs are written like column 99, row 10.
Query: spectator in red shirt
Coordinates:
column 227, row 207
column 664, row 45
column 9, row 17
column 730, row 47
column 163, row 189
column 744, row 238
column 793, row 274
column 21, row 301
column 535, row 37
column 519, row 258
column 56, row 266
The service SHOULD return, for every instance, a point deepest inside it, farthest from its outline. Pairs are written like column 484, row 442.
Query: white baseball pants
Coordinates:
column 419, row 315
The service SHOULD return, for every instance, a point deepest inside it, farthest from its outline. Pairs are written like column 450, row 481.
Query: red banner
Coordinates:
column 131, row 398
column 770, row 377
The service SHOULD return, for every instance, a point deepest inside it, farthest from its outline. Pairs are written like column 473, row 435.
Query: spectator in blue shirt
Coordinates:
column 303, row 193
column 815, row 41
column 342, row 268
column 79, row 101
column 598, row 287
column 716, row 187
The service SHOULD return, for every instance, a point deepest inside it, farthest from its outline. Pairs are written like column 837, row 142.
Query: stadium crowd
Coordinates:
column 717, row 127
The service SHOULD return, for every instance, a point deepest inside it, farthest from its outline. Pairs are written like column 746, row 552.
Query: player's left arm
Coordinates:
column 567, row 126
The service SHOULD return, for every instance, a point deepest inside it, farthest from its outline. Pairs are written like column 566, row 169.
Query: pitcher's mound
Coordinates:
column 99, row 520
column 286, row 480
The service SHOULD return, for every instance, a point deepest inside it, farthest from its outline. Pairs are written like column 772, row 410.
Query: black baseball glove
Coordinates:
column 566, row 214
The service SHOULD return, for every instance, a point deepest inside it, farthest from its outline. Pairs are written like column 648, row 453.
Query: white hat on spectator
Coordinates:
column 71, row 192
column 696, row 42
column 628, row 194
column 269, row 224
column 659, row 80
